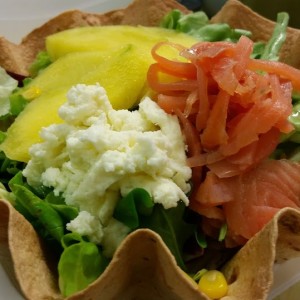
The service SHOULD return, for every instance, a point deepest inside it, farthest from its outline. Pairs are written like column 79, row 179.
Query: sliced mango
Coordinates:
column 65, row 71
column 125, row 67
column 123, row 77
column 103, row 38
column 24, row 132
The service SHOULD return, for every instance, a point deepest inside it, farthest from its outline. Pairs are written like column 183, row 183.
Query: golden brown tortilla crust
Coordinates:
column 237, row 15
column 250, row 272
column 143, row 267
column 23, row 257
column 17, row 58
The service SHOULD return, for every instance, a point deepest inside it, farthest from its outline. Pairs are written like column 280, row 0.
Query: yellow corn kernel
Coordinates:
column 32, row 93
column 213, row 284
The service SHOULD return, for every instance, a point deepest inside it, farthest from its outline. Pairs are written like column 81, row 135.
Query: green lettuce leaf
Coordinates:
column 41, row 61
column 137, row 210
column 67, row 212
column 172, row 227
column 131, row 208
column 80, row 264
column 273, row 46
column 39, row 209
column 197, row 24
column 17, row 103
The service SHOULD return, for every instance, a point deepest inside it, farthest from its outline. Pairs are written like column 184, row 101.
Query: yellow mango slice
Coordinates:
column 103, row 38
column 123, row 77
column 24, row 132
column 126, row 64
column 65, row 72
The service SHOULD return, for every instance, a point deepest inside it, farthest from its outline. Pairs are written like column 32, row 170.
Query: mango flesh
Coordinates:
column 122, row 76
column 123, row 68
column 108, row 38
column 21, row 134
column 119, row 61
column 66, row 71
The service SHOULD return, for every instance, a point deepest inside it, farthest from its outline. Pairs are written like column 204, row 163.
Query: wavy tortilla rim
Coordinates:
column 250, row 272
column 24, row 258
column 143, row 263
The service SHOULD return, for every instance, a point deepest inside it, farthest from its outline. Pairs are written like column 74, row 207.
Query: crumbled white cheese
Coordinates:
column 99, row 152
column 87, row 225
column 7, row 85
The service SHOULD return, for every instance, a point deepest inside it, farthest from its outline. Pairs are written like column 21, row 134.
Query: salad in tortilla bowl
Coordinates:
column 149, row 153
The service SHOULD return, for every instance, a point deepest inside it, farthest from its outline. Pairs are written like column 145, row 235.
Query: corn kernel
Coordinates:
column 213, row 284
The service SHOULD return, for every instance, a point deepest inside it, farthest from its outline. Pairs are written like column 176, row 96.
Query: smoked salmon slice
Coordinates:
column 257, row 195
column 222, row 90
column 248, row 201
column 233, row 110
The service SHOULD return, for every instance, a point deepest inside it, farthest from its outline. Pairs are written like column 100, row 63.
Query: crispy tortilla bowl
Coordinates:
column 143, row 262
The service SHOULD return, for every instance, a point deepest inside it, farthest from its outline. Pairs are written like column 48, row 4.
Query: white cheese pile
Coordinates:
column 98, row 154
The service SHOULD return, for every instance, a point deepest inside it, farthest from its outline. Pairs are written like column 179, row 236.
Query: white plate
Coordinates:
column 285, row 276
column 8, row 291
column 19, row 17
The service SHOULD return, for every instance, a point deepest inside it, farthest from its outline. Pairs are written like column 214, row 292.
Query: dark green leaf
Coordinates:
column 129, row 209
column 26, row 81
column 171, row 226
column 200, row 238
column 258, row 49
column 9, row 168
